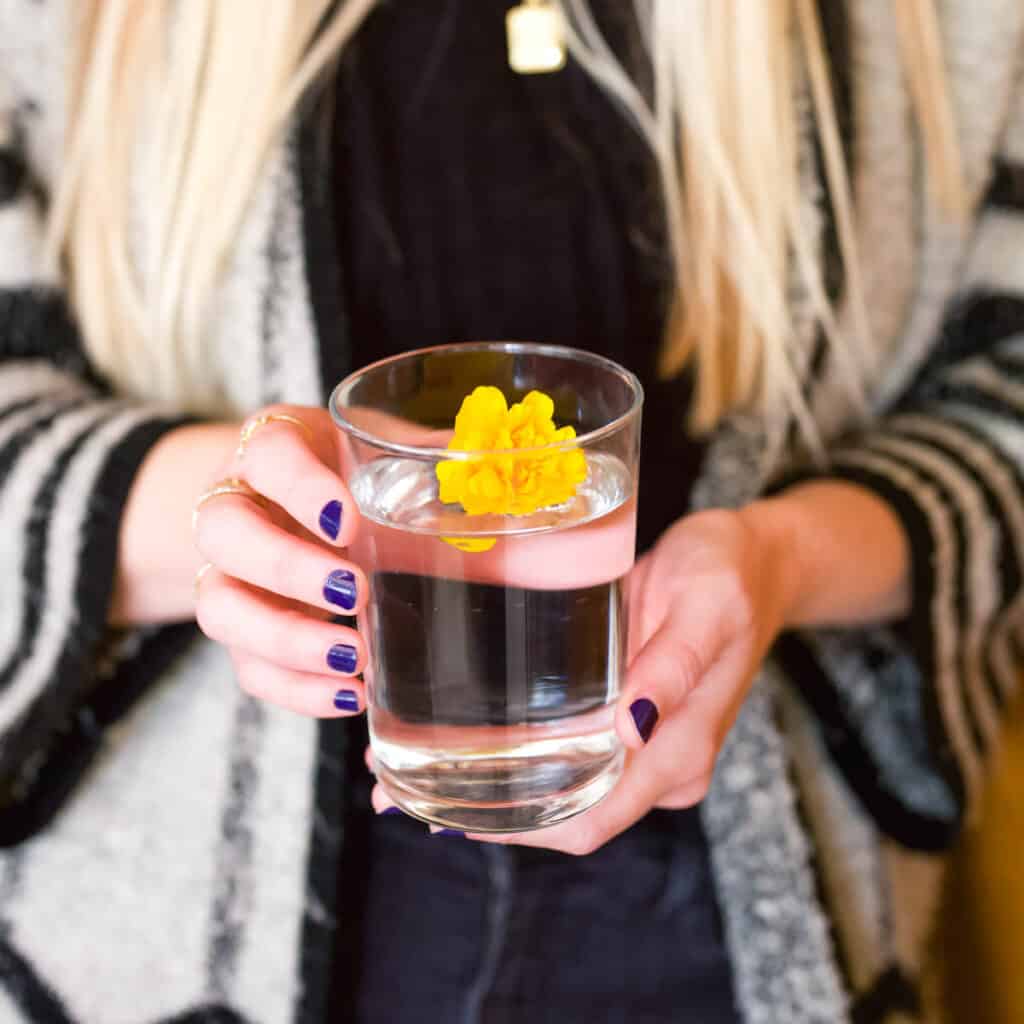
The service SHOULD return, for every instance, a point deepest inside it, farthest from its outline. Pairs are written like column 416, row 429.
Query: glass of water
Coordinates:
column 497, row 639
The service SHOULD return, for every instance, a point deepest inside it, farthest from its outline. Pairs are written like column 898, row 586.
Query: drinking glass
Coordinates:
column 497, row 641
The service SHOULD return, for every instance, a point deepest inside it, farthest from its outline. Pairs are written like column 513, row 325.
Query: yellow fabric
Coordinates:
column 981, row 955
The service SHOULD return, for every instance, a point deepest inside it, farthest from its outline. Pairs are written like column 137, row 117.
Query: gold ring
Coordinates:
column 203, row 570
column 253, row 425
column 232, row 485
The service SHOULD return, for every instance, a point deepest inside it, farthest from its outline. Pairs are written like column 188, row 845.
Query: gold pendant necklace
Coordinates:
column 536, row 38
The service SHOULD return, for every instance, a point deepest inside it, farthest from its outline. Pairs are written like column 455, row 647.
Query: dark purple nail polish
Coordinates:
column 340, row 589
column 450, row 832
column 391, row 811
column 330, row 519
column 346, row 700
column 343, row 658
column 645, row 717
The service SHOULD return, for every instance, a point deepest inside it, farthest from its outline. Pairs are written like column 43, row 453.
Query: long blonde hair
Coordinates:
column 215, row 85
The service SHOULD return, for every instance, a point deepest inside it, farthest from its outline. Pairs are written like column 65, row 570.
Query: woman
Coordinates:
column 802, row 228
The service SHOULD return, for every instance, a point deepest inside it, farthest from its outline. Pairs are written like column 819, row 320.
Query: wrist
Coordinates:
column 774, row 524
column 838, row 552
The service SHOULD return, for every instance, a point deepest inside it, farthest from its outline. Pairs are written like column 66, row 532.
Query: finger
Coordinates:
column 383, row 804
column 380, row 799
column 302, row 692
column 668, row 668
column 629, row 800
column 673, row 771
column 268, row 627
column 626, row 804
column 687, row 795
column 240, row 539
column 680, row 757
column 282, row 463
column 637, row 598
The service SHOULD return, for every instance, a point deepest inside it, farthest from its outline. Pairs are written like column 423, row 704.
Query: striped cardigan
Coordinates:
column 169, row 845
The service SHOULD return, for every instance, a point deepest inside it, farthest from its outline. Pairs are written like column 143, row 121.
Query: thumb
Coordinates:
column 666, row 670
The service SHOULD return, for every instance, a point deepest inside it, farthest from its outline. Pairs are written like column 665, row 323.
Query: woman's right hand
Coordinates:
column 277, row 572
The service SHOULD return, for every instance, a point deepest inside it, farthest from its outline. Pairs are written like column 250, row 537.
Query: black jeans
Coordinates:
column 458, row 932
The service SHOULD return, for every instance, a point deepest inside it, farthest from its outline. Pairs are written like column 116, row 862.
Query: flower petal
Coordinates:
column 505, row 483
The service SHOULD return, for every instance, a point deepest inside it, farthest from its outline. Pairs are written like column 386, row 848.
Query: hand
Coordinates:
column 705, row 606
column 277, row 574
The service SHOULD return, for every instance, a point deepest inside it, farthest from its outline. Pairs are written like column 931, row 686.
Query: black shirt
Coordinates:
column 474, row 203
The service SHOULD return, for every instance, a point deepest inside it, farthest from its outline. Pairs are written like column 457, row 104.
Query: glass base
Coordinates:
column 430, row 795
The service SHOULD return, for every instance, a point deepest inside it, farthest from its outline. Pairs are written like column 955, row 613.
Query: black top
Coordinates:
column 475, row 203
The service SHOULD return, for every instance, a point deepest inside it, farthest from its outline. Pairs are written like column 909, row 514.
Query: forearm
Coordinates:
column 157, row 560
column 840, row 552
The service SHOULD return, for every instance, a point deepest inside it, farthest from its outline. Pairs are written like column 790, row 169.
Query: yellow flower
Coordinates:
column 471, row 544
column 507, row 483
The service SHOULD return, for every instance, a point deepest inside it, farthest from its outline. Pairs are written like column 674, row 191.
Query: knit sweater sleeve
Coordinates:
column 68, row 454
column 913, row 712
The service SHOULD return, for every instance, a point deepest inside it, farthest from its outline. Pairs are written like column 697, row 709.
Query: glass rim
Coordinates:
column 515, row 348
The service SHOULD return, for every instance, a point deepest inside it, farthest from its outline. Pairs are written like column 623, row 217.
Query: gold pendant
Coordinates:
column 536, row 38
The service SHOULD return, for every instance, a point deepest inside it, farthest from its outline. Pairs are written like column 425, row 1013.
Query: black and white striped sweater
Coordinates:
column 169, row 844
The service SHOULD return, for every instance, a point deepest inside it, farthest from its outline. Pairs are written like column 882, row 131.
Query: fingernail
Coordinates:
column 340, row 589
column 343, row 658
column 346, row 700
column 645, row 717
column 392, row 810
column 449, row 832
column 330, row 519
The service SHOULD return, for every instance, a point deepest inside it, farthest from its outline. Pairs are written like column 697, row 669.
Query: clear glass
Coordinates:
column 493, row 673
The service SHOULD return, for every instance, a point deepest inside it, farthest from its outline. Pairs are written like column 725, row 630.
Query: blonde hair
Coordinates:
column 720, row 118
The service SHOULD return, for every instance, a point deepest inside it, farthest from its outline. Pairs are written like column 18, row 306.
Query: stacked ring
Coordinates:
column 236, row 485
column 254, row 424
column 203, row 570
column 232, row 485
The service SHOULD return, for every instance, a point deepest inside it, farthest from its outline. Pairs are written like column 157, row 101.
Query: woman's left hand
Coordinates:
column 705, row 606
